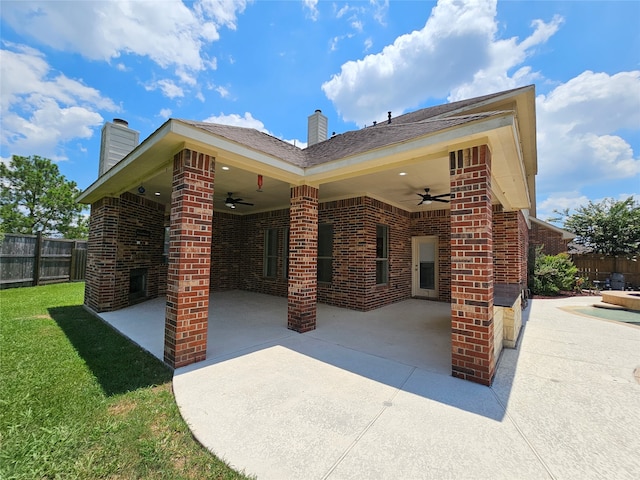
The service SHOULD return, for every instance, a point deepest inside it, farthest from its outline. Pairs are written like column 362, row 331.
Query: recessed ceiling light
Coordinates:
column 225, row 168
column 402, row 174
column 157, row 194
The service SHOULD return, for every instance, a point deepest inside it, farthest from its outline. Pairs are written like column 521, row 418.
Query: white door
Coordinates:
column 425, row 266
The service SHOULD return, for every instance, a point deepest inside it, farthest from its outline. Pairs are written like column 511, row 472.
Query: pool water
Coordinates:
column 625, row 316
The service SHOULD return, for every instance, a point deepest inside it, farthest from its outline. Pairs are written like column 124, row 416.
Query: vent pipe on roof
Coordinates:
column 118, row 140
column 317, row 128
column 389, row 117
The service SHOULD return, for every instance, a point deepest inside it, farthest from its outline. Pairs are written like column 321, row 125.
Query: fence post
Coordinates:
column 36, row 261
column 73, row 262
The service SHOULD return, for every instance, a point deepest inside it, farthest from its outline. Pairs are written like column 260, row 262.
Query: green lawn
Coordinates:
column 77, row 400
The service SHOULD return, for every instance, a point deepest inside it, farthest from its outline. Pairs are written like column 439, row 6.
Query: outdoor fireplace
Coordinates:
column 137, row 284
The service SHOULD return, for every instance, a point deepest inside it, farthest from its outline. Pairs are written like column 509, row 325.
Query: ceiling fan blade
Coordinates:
column 441, row 195
column 238, row 202
column 440, row 200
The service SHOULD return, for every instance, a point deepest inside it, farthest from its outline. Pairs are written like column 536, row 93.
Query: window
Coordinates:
column 382, row 254
column 270, row 252
column 325, row 253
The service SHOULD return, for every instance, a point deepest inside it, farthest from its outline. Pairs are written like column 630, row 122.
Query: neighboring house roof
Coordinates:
column 566, row 235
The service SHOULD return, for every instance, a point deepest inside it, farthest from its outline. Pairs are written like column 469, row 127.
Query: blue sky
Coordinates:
column 69, row 66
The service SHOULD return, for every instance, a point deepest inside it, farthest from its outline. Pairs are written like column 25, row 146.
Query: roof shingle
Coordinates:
column 402, row 128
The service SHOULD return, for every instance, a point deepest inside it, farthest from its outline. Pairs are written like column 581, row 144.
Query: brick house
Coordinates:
column 552, row 239
column 198, row 208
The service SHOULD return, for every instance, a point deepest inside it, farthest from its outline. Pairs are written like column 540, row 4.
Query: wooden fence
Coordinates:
column 597, row 267
column 27, row 260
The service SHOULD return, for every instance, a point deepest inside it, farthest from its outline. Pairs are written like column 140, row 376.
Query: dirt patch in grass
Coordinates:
column 123, row 407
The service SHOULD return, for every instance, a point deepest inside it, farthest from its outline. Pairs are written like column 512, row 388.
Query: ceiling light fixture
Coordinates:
column 402, row 174
column 225, row 168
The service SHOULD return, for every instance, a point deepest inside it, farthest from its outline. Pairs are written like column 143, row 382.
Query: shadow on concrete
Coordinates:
column 406, row 346
column 118, row 365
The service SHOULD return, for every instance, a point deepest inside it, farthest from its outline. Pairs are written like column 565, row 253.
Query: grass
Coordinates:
column 77, row 400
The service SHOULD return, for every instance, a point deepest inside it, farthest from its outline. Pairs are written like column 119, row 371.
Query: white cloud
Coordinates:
column 579, row 125
column 224, row 93
column 455, row 53
column 236, row 120
column 170, row 34
column 560, row 201
column 247, row 121
column 42, row 109
column 368, row 43
column 455, row 38
column 312, row 9
column 381, row 9
column 504, row 55
column 168, row 88
column 165, row 113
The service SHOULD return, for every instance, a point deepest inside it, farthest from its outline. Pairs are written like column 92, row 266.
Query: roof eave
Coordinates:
column 156, row 151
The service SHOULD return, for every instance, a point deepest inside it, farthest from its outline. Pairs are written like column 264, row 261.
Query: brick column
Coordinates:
column 102, row 255
column 187, row 313
column 472, row 356
column 303, row 259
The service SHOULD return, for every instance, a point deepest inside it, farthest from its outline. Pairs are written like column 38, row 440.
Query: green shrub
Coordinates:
column 552, row 273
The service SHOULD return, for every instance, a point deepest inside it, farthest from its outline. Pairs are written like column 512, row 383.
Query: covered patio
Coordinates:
column 412, row 332
column 431, row 204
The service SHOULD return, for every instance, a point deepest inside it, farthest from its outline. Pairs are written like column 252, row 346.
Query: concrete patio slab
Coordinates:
column 351, row 400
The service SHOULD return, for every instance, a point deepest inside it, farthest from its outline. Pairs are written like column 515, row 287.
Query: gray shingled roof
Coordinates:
column 402, row 128
column 440, row 110
column 256, row 140
column 360, row 141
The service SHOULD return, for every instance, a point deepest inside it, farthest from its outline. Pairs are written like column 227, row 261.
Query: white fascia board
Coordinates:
column 449, row 138
column 566, row 235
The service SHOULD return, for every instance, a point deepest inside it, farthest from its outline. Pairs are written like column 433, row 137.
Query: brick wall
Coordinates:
column 524, row 248
column 508, row 262
column 228, row 247
column 251, row 260
column 102, row 254
column 551, row 240
column 125, row 234
column 354, row 223
column 141, row 242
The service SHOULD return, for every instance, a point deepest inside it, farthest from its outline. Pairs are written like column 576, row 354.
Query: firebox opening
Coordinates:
column 137, row 284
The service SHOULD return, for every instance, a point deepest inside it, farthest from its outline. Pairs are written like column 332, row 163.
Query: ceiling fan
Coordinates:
column 232, row 202
column 427, row 198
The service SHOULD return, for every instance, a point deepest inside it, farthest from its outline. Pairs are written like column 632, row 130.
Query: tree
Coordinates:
column 35, row 197
column 609, row 227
